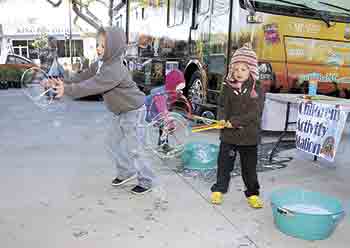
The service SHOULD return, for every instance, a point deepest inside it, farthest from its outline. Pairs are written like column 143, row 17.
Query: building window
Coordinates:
column 13, row 59
column 33, row 53
column 25, row 48
column 175, row 12
column 64, row 48
column 20, row 47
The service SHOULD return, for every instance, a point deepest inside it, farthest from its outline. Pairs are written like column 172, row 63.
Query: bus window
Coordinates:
column 175, row 12
column 334, row 10
column 203, row 6
column 218, row 43
column 220, row 7
column 297, row 39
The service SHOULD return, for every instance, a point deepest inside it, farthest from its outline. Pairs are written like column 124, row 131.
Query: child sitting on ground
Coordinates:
column 161, row 98
column 243, row 104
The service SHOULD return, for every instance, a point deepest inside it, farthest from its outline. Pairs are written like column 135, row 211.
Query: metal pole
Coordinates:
column 127, row 21
column 70, row 32
column 110, row 12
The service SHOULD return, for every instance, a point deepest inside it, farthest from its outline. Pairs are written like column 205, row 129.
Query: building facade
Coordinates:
column 20, row 27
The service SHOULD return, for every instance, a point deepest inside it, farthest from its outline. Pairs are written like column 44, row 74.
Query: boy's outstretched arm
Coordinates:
column 98, row 84
column 84, row 75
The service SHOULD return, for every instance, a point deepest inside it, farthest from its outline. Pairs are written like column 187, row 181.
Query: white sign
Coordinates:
column 171, row 65
column 38, row 29
column 43, row 29
column 319, row 128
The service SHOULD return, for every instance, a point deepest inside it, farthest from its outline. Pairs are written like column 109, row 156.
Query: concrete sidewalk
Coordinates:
column 55, row 178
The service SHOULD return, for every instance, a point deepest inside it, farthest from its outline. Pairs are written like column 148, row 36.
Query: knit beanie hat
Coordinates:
column 247, row 56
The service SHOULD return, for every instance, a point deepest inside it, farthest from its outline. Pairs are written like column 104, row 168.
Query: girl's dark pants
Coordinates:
column 226, row 160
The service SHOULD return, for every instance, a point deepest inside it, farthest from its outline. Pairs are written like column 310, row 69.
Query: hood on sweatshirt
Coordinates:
column 115, row 45
column 110, row 78
column 174, row 81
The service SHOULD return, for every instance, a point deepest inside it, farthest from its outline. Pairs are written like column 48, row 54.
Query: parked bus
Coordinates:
column 292, row 39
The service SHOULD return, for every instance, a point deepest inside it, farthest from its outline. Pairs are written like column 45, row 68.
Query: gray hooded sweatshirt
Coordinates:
column 112, row 79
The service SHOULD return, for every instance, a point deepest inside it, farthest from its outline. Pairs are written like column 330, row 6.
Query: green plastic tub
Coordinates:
column 200, row 156
column 304, row 214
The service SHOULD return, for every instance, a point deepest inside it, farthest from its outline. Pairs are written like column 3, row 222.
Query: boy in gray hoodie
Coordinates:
column 109, row 77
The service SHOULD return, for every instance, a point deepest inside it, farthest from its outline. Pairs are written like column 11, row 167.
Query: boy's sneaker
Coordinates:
column 255, row 202
column 166, row 148
column 139, row 190
column 118, row 182
column 216, row 198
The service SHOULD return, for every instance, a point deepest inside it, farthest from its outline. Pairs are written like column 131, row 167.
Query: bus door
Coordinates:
column 218, row 42
column 200, row 34
column 211, row 37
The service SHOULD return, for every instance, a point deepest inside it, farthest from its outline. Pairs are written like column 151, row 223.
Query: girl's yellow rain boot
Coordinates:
column 255, row 202
column 216, row 198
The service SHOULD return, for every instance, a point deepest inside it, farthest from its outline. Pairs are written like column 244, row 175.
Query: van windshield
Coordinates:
column 334, row 10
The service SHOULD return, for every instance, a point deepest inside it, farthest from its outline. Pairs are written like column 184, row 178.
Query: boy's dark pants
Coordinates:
column 226, row 160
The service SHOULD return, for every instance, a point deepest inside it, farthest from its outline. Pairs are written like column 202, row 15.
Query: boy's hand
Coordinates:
column 57, row 85
column 46, row 83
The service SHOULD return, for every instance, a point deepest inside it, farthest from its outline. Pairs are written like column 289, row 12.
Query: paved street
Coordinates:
column 55, row 189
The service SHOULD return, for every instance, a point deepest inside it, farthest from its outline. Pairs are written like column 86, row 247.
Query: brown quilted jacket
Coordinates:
column 244, row 111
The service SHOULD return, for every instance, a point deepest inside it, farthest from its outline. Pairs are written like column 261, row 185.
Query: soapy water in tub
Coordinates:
column 307, row 209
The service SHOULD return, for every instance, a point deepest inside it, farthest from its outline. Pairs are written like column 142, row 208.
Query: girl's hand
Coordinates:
column 232, row 124
column 225, row 124
column 228, row 124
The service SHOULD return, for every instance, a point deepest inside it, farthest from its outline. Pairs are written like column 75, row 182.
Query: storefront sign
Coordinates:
column 319, row 128
column 42, row 29
column 38, row 29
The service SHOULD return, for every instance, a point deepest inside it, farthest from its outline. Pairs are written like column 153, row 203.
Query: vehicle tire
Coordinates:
column 3, row 85
column 196, row 91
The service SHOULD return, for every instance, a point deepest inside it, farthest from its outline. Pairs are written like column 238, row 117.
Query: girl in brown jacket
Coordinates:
column 243, row 104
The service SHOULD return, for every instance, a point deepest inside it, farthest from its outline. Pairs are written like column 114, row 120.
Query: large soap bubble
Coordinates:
column 33, row 86
column 167, row 134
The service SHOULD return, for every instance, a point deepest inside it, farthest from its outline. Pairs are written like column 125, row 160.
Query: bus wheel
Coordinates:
column 196, row 91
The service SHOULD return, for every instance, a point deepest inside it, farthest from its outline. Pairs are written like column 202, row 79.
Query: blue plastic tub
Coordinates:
column 304, row 214
column 200, row 156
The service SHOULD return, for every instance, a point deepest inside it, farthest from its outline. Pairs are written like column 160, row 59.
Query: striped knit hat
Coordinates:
column 247, row 56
